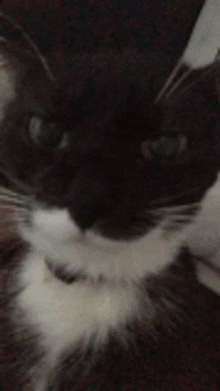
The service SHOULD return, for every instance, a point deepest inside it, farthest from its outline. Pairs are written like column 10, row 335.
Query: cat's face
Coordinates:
column 97, row 155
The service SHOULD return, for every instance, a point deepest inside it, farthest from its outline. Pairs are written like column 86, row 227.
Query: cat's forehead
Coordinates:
column 99, row 92
column 95, row 91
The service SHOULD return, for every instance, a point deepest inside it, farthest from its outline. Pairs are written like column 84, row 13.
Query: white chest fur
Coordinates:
column 64, row 314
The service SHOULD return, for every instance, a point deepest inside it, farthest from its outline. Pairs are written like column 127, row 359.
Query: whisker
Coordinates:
column 177, row 84
column 10, row 192
column 12, row 208
column 13, row 194
column 179, row 74
column 12, row 202
column 12, row 198
column 9, row 204
column 173, row 198
column 193, row 83
column 175, row 209
column 178, row 69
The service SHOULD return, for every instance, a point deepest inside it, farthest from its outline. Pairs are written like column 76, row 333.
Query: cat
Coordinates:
column 106, row 186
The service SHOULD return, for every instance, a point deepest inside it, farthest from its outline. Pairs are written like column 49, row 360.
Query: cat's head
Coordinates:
column 101, row 161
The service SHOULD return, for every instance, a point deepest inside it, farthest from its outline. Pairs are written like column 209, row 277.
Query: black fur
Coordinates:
column 105, row 103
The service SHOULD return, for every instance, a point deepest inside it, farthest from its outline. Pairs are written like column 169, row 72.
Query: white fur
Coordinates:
column 205, row 38
column 66, row 313
column 56, row 236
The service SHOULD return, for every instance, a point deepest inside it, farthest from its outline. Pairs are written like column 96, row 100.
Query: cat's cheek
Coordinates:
column 55, row 223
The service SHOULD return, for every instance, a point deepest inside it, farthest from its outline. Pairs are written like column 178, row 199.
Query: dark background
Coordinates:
column 79, row 25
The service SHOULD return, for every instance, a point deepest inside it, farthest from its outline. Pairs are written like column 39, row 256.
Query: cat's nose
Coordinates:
column 88, row 198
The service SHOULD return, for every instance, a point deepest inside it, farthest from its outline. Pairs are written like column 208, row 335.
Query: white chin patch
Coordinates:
column 54, row 234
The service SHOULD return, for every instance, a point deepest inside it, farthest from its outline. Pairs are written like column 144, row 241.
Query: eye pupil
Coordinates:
column 164, row 148
column 45, row 134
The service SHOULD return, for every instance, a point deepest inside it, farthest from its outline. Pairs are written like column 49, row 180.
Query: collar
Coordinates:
column 61, row 274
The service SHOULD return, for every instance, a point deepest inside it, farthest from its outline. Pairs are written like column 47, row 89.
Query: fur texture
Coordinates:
column 107, row 202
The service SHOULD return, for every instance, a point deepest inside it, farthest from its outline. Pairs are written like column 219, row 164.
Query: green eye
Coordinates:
column 45, row 134
column 164, row 148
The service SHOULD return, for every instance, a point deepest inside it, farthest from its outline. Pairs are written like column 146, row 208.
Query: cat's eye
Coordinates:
column 167, row 147
column 46, row 134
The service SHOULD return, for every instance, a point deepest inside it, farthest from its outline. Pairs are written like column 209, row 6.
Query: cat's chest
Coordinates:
column 64, row 314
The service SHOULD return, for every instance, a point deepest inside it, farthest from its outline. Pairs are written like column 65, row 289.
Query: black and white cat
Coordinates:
column 107, row 186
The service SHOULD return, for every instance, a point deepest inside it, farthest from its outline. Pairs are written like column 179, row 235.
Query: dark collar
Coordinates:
column 62, row 275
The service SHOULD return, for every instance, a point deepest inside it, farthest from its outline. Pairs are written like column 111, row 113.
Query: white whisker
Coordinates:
column 12, row 199
column 175, row 209
column 169, row 80
column 9, row 191
column 191, row 84
column 10, row 194
column 177, row 84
